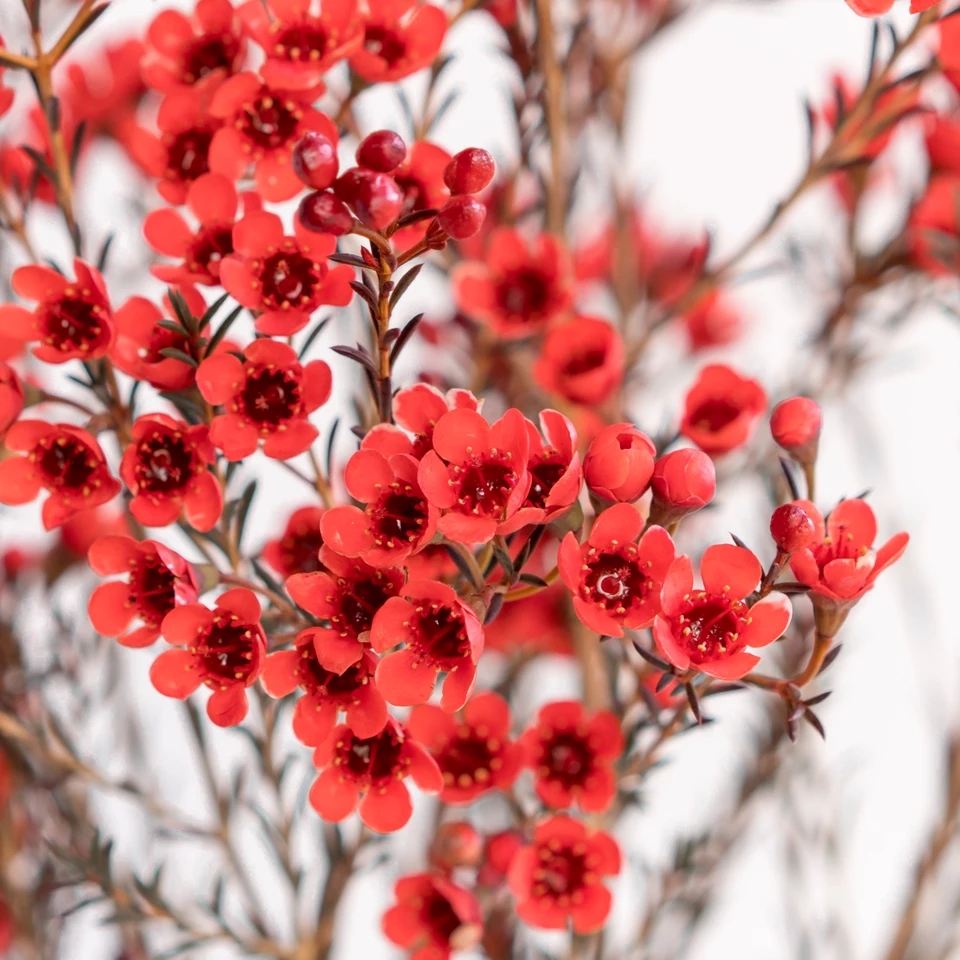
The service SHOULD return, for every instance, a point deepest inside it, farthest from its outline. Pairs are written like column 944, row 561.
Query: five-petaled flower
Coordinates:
column 418, row 410
column 224, row 649
column 158, row 581
column 722, row 409
column 581, row 360
column 400, row 37
column 708, row 630
column 297, row 550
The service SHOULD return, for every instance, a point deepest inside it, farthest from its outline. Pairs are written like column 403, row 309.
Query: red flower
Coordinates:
column 348, row 594
column 440, row 633
column 475, row 754
column 420, row 407
column 325, row 693
column 559, row 876
column 286, row 278
column 934, row 225
column 400, row 37
column 572, row 755
column 60, row 458
column 11, row 397
column 369, row 772
column 712, row 322
column 72, row 319
column 165, row 468
column 137, row 349
column 267, row 396
column 581, row 360
column 616, row 581
column 181, row 50
column 301, row 46
column 261, row 127
column 619, row 463
column 298, row 549
column 397, row 519
column 519, row 288
column 476, row 473
column 534, row 624
column 159, row 581
column 433, row 917
column 722, row 409
column 708, row 629
column 420, row 179
column 225, row 651
column 795, row 425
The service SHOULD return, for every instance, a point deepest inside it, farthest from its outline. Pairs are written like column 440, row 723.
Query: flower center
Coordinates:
column 614, row 580
column 524, row 295
column 469, row 759
column 440, row 918
column 546, row 471
column 384, row 43
column 398, row 516
column 560, row 873
column 374, row 759
column 710, row 626
column 152, row 589
column 485, row 485
column 226, row 650
column 164, row 463
column 288, row 280
column 300, row 551
column 208, row 53
column 74, row 323
column 209, row 247
column 304, row 41
column 584, row 363
column 268, row 123
column 360, row 600
column 567, row 757
column 188, row 153
column 324, row 684
column 440, row 635
column 271, row 396
column 715, row 414
column 65, row 463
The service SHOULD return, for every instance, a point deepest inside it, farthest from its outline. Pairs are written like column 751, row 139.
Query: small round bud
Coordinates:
column 795, row 425
column 462, row 217
column 456, row 844
column 375, row 197
column 322, row 212
column 683, row 482
column 469, row 171
column 382, row 150
column 315, row 160
column 792, row 528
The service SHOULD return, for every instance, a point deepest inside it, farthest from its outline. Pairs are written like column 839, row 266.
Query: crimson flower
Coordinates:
column 183, row 50
column 369, row 772
column 59, row 458
column 709, row 629
column 536, row 623
column 572, row 755
column 519, row 288
column 419, row 408
column 400, row 37
column 619, row 463
column 713, row 321
column 475, row 754
column 476, row 473
column 261, row 127
column 440, row 633
column 266, row 396
column 286, row 278
column 225, row 651
column 325, row 693
column 433, row 917
column 581, row 360
column 298, row 548
column 72, row 319
column 420, row 179
column 615, row 580
column 159, row 580
column 11, row 397
column 722, row 409
column 559, row 876
column 934, row 225
column 165, row 469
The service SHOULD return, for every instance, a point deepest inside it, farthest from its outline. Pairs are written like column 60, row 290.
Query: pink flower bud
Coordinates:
column 456, row 844
column 792, row 528
column 683, row 482
column 795, row 425
column 619, row 463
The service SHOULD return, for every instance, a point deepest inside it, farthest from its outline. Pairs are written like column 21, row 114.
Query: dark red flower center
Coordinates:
column 485, row 485
column 359, row 600
column 74, row 323
column 398, row 517
column 709, row 627
column 288, row 279
column 566, row 756
column 614, row 580
column 524, row 295
column 843, row 546
column 300, row 551
column 208, row 53
column 371, row 760
column 469, row 759
column 439, row 634
column 152, row 587
column 271, row 396
column 302, row 41
column 715, row 414
column 545, row 471
column 384, row 43
column 269, row 123
column 209, row 247
column 439, row 918
column 561, row 872
column 324, row 684
column 65, row 462
column 226, row 650
column 583, row 363
column 188, row 154
column 165, row 463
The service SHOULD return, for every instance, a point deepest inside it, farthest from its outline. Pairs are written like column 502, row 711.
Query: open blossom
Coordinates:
column 60, row 458
column 285, row 278
column 615, row 580
column 297, row 550
column 433, row 917
column 619, row 463
column 267, row 396
column 72, row 319
column 722, row 409
column 475, row 753
column 519, row 288
column 400, row 37
column 572, row 755
column 419, row 408
column 581, row 360
column 223, row 649
column 158, row 580
column 440, row 633
column 559, row 877
column 165, row 468
column 477, row 473
column 368, row 773
column 709, row 629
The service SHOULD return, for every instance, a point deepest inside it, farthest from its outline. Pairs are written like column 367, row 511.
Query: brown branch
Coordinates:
column 554, row 114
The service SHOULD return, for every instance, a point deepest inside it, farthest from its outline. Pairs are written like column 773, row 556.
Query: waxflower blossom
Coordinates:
column 433, row 917
column 581, row 360
column 165, row 468
column 619, row 463
column 559, row 877
column 224, row 649
column 683, row 482
column 158, row 580
column 440, row 633
column 722, row 409
column 708, row 630
column 572, row 755
column 285, row 278
column 59, row 458
column 713, row 321
column 11, row 397
column 475, row 753
column 615, row 580
column 519, row 288
column 298, row 548
column 477, row 473
column 266, row 397
column 400, row 37
column 367, row 774
column 72, row 320
column 419, row 408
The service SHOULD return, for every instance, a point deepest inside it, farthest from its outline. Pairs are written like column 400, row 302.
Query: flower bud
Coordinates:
column 11, row 397
column 375, row 197
column 315, row 160
column 469, row 171
column 322, row 212
column 795, row 425
column 462, row 217
column 683, row 482
column 456, row 844
column 500, row 851
column 382, row 150
column 792, row 528
column 619, row 463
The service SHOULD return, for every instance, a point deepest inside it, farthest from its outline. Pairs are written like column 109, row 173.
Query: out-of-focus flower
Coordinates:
column 581, row 360
column 722, row 409
column 400, row 37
